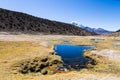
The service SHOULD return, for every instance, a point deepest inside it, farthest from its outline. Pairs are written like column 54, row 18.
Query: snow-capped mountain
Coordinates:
column 94, row 30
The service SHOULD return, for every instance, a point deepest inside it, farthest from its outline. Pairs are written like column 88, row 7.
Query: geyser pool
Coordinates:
column 73, row 55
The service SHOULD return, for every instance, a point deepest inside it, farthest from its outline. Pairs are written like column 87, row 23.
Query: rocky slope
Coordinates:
column 118, row 30
column 117, row 33
column 20, row 22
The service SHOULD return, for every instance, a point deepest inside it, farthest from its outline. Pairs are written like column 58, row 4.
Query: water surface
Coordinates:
column 73, row 55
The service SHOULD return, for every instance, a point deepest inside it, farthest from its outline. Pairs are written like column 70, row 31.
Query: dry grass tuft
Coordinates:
column 103, row 64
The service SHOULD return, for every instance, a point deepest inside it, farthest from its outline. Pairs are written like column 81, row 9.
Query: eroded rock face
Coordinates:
column 44, row 65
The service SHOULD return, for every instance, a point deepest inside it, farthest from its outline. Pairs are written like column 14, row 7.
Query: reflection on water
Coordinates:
column 73, row 55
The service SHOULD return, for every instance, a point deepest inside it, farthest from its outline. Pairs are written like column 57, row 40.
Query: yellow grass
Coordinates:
column 103, row 64
column 14, row 51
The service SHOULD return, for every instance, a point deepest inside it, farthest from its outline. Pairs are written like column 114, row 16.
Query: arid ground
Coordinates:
column 17, row 47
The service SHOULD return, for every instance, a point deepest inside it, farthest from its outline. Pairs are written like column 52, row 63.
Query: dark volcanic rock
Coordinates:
column 20, row 22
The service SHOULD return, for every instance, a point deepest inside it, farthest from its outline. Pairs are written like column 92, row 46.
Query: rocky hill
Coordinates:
column 20, row 22
column 117, row 33
column 118, row 30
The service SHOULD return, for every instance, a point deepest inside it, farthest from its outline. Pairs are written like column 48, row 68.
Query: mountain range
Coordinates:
column 93, row 30
column 13, row 21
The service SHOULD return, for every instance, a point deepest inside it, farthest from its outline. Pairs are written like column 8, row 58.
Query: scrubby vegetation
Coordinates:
column 118, row 30
column 20, row 22
column 39, row 64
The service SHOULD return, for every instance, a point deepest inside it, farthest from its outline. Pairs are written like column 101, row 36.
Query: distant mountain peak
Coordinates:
column 93, row 30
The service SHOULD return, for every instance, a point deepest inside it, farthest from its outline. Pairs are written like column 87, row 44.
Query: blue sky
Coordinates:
column 93, row 13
